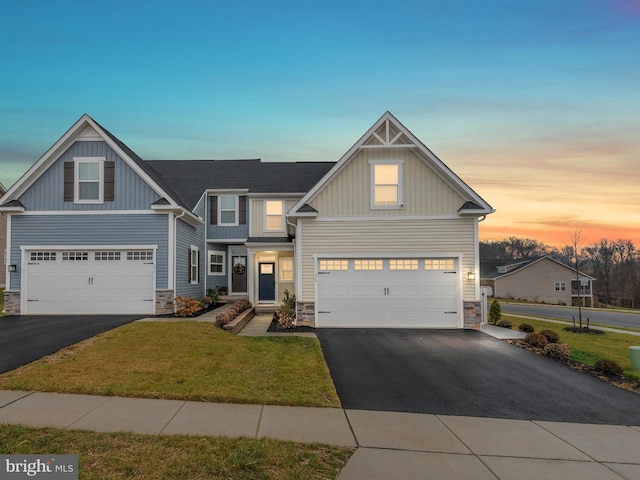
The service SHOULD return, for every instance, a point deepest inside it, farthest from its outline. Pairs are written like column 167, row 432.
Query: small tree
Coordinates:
column 495, row 312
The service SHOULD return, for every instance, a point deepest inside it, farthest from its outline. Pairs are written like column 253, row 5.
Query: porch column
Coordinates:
column 251, row 269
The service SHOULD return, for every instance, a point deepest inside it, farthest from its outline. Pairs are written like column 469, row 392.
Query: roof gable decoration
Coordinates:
column 389, row 132
column 85, row 129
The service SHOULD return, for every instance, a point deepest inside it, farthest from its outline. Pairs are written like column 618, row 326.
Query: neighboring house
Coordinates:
column 3, row 241
column 387, row 236
column 540, row 279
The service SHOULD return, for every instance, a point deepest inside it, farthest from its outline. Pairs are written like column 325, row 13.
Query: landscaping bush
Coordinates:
column 558, row 351
column 205, row 302
column 495, row 312
column 222, row 319
column 286, row 314
column 552, row 337
column 186, row 306
column 525, row 327
column 213, row 294
column 536, row 340
column 608, row 368
column 232, row 312
column 504, row 324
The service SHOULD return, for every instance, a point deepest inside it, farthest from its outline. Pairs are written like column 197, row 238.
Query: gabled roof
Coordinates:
column 88, row 128
column 518, row 265
column 193, row 177
column 394, row 134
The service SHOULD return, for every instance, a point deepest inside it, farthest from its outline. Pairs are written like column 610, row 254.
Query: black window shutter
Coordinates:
column 213, row 210
column 199, row 269
column 189, row 265
column 242, row 216
column 109, row 181
column 68, row 181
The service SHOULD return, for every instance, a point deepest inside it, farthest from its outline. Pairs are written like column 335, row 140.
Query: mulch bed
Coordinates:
column 618, row 380
column 274, row 328
column 213, row 306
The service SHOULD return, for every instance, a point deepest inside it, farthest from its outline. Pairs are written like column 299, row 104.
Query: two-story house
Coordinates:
column 386, row 236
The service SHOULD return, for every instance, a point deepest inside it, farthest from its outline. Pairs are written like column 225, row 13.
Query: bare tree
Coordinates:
column 578, row 257
column 626, row 253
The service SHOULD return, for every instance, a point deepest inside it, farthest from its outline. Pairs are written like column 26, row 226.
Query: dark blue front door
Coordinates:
column 266, row 282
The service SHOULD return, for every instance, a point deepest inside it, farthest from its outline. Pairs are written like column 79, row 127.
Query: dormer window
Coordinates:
column 386, row 184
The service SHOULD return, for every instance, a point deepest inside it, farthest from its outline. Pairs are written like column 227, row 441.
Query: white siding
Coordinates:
column 424, row 192
column 446, row 237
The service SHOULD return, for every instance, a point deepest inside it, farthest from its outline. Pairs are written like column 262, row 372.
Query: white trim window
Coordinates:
column 89, row 179
column 386, row 184
column 286, row 269
column 228, row 210
column 194, row 265
column 561, row 286
column 216, row 262
column 274, row 216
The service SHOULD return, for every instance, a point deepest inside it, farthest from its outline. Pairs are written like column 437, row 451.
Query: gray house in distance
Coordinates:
column 540, row 279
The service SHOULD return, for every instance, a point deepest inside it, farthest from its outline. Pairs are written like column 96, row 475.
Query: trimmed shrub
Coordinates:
column 552, row 336
column 222, row 319
column 525, row 327
column 558, row 351
column 608, row 368
column 536, row 340
column 205, row 302
column 504, row 324
column 495, row 312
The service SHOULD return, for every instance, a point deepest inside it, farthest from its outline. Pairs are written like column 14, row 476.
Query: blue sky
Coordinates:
column 535, row 104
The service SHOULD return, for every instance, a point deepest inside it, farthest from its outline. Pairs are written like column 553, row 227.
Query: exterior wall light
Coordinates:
column 471, row 275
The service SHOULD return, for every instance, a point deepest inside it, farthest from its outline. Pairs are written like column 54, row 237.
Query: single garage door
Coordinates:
column 388, row 292
column 86, row 281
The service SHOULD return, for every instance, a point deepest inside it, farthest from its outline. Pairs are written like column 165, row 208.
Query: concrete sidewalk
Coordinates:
column 389, row 444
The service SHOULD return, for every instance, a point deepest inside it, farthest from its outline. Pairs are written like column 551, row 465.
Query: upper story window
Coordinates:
column 274, row 215
column 228, row 205
column 229, row 210
column 386, row 183
column 89, row 173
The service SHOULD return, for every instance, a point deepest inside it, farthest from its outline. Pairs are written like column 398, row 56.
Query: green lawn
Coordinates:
column 128, row 455
column 187, row 361
column 589, row 348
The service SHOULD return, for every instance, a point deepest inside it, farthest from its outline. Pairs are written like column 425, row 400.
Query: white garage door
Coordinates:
column 388, row 292
column 86, row 281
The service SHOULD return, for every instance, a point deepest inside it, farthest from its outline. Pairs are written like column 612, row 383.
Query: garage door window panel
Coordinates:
column 75, row 256
column 107, row 256
column 438, row 264
column 42, row 256
column 333, row 265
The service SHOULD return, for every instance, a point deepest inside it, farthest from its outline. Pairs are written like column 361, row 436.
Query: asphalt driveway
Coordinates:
column 465, row 372
column 26, row 338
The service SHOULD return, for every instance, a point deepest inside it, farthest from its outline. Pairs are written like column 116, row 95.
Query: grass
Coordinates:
column 588, row 348
column 128, row 455
column 185, row 361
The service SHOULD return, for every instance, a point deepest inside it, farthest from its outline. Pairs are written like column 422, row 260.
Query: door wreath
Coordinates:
column 239, row 268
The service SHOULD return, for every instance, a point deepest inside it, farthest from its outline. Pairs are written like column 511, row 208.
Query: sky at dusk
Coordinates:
column 536, row 105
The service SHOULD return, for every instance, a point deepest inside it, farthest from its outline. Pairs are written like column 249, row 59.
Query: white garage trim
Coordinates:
column 120, row 280
column 406, row 302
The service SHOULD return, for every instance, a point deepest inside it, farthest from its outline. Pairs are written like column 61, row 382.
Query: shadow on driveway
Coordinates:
column 465, row 372
column 26, row 338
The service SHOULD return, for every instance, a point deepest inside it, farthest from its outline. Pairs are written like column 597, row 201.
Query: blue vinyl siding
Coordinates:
column 227, row 233
column 131, row 191
column 89, row 229
column 186, row 235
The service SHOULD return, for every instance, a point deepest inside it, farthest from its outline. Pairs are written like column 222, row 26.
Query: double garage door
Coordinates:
column 388, row 292
column 90, row 281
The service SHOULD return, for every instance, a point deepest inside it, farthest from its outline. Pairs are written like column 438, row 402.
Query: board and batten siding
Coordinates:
column 89, row 229
column 257, row 218
column 393, row 237
column 47, row 193
column 349, row 193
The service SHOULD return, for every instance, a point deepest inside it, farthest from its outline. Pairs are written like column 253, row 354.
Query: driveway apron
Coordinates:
column 467, row 373
column 24, row 339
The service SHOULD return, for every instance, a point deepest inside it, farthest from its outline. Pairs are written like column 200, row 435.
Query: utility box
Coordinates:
column 634, row 353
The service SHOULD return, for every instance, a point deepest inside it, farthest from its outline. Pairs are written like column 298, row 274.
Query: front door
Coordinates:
column 267, row 282
column 239, row 273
